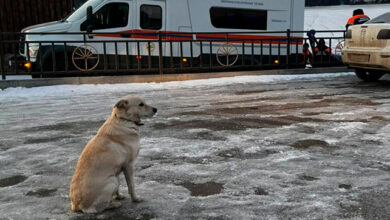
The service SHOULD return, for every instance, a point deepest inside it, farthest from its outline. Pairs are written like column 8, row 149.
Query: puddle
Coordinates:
column 353, row 101
column 231, row 153
column 248, row 92
column 4, row 146
column 45, row 139
column 306, row 129
column 13, row 180
column 238, row 153
column 42, row 193
column 379, row 118
column 308, row 178
column 345, row 186
column 275, row 108
column 315, row 96
column 203, row 189
column 269, row 98
column 316, row 113
column 272, row 109
column 261, row 192
column 73, row 127
column 235, row 124
column 304, row 144
column 205, row 135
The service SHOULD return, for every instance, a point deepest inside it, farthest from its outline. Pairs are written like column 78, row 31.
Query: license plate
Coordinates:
column 360, row 57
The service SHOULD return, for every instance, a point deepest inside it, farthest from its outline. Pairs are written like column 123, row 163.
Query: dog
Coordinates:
column 112, row 150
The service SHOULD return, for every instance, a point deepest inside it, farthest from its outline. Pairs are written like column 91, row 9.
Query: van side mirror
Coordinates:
column 89, row 20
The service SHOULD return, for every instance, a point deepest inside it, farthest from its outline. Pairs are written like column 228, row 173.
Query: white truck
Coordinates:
column 175, row 20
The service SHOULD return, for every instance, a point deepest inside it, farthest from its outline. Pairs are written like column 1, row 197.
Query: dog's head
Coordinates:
column 133, row 108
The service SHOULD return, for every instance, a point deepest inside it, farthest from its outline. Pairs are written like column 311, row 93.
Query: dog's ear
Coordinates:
column 122, row 104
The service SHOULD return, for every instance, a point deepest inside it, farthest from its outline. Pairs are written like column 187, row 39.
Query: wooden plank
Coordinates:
column 3, row 23
column 9, row 21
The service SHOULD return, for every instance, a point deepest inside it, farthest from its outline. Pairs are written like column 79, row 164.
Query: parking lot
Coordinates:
column 249, row 147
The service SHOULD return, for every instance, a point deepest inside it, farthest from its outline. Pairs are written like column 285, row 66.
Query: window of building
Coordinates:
column 233, row 18
column 151, row 17
column 112, row 15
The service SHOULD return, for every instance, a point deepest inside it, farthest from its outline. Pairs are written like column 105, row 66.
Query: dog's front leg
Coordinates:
column 129, row 175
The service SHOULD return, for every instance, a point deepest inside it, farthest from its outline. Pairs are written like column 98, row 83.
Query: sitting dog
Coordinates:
column 112, row 150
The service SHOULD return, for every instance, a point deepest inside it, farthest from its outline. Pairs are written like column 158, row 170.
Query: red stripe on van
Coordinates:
column 178, row 36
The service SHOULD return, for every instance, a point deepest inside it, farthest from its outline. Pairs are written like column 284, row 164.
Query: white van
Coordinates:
column 176, row 20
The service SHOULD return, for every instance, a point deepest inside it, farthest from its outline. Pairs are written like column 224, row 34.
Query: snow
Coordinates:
column 335, row 17
column 237, row 133
column 20, row 77
column 67, row 90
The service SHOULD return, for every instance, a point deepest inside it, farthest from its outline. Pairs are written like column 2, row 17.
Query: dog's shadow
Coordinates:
column 128, row 211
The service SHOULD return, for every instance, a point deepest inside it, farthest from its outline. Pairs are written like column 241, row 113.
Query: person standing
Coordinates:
column 358, row 17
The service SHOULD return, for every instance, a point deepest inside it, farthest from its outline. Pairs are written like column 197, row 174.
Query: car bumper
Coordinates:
column 377, row 59
column 20, row 63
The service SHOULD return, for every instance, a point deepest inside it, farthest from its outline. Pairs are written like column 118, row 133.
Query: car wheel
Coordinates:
column 368, row 76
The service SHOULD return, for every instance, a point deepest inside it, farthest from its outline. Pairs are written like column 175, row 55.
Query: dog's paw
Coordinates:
column 119, row 197
column 136, row 200
column 114, row 205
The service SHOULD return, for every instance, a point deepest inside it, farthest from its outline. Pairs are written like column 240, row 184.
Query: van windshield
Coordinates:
column 385, row 18
column 82, row 11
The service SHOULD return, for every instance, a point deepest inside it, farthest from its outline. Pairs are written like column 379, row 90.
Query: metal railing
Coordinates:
column 149, row 52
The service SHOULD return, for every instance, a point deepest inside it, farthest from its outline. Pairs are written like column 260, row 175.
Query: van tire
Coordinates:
column 47, row 63
column 368, row 75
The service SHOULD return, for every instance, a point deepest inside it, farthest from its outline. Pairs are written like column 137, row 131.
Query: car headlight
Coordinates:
column 33, row 50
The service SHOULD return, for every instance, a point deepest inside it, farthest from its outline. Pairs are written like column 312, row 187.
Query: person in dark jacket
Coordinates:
column 321, row 49
column 358, row 17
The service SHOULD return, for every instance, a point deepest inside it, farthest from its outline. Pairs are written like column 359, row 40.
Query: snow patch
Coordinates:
column 71, row 90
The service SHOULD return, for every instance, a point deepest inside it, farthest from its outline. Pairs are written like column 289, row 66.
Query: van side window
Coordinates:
column 151, row 17
column 112, row 15
column 233, row 18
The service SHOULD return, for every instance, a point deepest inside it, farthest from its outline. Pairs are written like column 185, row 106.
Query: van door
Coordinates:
column 111, row 17
column 151, row 20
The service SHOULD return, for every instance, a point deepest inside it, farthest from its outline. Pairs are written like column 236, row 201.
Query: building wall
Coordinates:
column 17, row 14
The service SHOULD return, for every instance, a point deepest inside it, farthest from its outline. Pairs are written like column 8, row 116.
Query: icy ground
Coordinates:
column 251, row 147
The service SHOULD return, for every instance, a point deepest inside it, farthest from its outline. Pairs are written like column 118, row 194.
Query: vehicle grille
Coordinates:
column 22, row 44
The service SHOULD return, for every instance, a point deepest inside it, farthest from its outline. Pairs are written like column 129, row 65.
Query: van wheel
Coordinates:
column 368, row 76
column 47, row 64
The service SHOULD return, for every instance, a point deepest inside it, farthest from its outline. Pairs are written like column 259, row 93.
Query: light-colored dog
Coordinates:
column 113, row 150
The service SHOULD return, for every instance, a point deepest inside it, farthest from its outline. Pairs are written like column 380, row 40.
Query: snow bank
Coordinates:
column 335, row 17
column 68, row 90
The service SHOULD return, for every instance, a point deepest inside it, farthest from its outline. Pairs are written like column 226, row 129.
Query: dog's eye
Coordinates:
column 142, row 104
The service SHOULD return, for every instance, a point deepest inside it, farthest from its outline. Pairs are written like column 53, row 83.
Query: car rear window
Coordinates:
column 385, row 18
